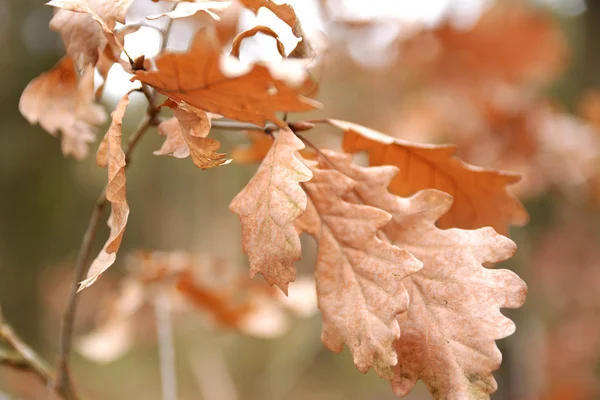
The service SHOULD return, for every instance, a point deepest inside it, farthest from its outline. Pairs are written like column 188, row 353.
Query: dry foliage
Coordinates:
column 403, row 273
column 59, row 100
column 111, row 154
column 196, row 78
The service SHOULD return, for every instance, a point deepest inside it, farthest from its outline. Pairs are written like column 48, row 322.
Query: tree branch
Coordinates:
column 268, row 128
column 25, row 358
column 63, row 381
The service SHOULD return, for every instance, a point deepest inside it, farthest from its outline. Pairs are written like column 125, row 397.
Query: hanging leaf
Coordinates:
column 268, row 207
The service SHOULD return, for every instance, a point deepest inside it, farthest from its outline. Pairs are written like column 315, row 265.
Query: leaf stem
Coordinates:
column 63, row 381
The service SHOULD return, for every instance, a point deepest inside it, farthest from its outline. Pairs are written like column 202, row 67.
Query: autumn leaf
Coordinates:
column 454, row 314
column 115, row 194
column 237, row 42
column 480, row 195
column 285, row 12
column 260, row 144
column 84, row 39
column 358, row 275
column 186, row 9
column 197, row 79
column 112, row 54
column 510, row 43
column 59, row 100
column 186, row 134
column 268, row 207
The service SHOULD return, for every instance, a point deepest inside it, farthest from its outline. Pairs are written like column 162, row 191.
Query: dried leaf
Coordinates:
column 116, row 335
column 257, row 150
column 285, row 12
column 186, row 9
column 237, row 42
column 83, row 38
column 59, row 101
column 186, row 134
column 112, row 54
column 268, row 207
column 480, row 195
column 196, row 78
column 115, row 193
column 510, row 43
column 454, row 315
column 358, row 275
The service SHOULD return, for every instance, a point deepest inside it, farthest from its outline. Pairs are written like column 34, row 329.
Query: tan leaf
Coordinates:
column 83, row 38
column 358, row 275
column 116, row 194
column 260, row 144
column 268, row 207
column 196, row 78
column 59, row 101
column 286, row 13
column 186, row 134
column 480, row 195
column 237, row 42
column 186, row 9
column 454, row 315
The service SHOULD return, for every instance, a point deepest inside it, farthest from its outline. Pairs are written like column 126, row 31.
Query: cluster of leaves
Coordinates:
column 486, row 89
column 402, row 243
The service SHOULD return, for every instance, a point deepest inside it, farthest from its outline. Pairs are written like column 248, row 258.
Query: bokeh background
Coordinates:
column 513, row 83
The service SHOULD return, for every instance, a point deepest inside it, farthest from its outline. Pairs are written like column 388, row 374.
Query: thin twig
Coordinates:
column 167, row 31
column 63, row 380
column 27, row 359
column 268, row 128
column 166, row 350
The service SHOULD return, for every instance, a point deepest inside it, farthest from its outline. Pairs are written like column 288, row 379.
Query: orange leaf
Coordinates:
column 115, row 193
column 58, row 101
column 268, row 207
column 196, row 78
column 237, row 42
column 285, row 12
column 454, row 314
column 480, row 195
column 358, row 275
column 257, row 150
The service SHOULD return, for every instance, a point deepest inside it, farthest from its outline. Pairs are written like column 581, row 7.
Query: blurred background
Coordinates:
column 515, row 84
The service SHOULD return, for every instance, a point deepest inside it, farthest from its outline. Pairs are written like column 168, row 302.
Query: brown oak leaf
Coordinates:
column 285, row 12
column 256, row 151
column 186, row 135
column 186, row 9
column 84, row 39
column 196, row 78
column 454, row 314
column 60, row 101
column 358, row 275
column 480, row 195
column 237, row 41
column 268, row 207
column 115, row 194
